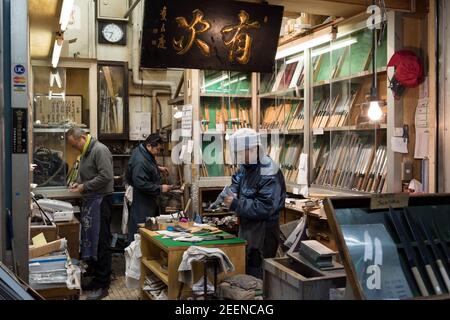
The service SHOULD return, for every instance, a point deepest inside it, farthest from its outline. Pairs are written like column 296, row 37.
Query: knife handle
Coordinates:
column 444, row 274
column 433, row 279
column 419, row 281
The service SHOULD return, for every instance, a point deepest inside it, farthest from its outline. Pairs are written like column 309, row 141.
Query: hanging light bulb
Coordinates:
column 375, row 113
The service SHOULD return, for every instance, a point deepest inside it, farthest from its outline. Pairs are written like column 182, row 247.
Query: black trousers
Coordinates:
column 102, row 267
column 256, row 257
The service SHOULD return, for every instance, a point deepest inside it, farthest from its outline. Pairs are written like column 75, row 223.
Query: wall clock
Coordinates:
column 112, row 32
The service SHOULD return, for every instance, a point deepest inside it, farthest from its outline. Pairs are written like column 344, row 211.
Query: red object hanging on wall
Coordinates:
column 408, row 68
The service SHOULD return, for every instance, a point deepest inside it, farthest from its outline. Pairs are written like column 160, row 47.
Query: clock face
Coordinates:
column 112, row 33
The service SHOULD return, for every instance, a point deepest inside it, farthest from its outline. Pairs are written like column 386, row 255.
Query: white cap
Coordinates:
column 244, row 139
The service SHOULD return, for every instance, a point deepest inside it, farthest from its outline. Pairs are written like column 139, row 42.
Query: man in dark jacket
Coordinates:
column 144, row 176
column 259, row 195
column 95, row 182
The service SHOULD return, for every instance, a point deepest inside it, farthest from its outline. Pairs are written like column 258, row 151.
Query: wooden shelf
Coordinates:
column 278, row 96
column 335, row 191
column 281, row 93
column 351, row 77
column 176, row 102
column 212, row 214
column 225, row 95
column 283, row 132
column 354, row 128
column 214, row 182
column 155, row 267
column 54, row 130
column 148, row 295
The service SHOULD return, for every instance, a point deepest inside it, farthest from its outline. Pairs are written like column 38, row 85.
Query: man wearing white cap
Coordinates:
column 258, row 196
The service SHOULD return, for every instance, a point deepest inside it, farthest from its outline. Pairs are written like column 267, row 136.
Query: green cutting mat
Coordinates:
column 170, row 243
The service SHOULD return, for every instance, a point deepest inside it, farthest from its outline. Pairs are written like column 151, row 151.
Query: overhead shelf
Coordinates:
column 54, row 130
column 177, row 101
column 226, row 95
column 352, row 77
column 214, row 182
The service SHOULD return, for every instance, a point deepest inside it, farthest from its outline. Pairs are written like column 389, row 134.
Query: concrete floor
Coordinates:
column 118, row 289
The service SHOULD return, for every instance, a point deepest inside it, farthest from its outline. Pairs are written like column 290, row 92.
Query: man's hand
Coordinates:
column 164, row 170
column 227, row 201
column 76, row 188
column 166, row 188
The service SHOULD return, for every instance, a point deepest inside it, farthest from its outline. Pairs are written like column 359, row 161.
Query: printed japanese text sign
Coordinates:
column 205, row 34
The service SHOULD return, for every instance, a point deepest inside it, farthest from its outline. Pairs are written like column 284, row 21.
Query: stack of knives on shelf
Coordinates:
column 426, row 250
column 287, row 156
column 355, row 165
column 289, row 159
column 284, row 116
column 236, row 117
column 331, row 113
column 297, row 117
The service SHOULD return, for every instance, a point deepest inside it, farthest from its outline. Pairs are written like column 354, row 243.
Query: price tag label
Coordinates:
column 384, row 201
column 318, row 131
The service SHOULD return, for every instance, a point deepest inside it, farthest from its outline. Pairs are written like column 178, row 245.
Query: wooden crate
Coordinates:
column 285, row 279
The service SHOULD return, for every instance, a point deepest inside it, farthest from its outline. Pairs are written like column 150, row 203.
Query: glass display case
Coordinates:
column 60, row 101
column 112, row 100
column 282, row 114
column 393, row 246
column 349, row 150
column 225, row 106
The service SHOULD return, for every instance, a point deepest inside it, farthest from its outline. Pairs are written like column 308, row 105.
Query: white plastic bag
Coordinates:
column 133, row 263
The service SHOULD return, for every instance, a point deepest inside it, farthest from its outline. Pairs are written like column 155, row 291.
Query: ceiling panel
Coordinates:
column 44, row 22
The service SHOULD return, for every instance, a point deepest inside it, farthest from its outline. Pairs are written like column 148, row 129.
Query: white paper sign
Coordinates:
column 422, row 141
column 140, row 125
column 399, row 144
column 186, row 122
column 421, row 119
column 318, row 131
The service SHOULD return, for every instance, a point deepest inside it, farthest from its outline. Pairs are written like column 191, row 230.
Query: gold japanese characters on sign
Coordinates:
column 182, row 46
column 162, row 36
column 235, row 37
column 240, row 43
column 214, row 35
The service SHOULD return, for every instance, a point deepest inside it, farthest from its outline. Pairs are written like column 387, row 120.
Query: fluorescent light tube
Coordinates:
column 57, row 51
column 66, row 11
column 217, row 80
column 303, row 46
column 54, row 76
column 334, row 46
column 234, row 81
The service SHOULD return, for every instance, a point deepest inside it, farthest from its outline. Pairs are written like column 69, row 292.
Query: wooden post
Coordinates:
column 395, row 107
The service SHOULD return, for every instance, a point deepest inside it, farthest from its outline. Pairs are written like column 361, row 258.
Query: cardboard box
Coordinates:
column 71, row 231
column 48, row 248
column 50, row 232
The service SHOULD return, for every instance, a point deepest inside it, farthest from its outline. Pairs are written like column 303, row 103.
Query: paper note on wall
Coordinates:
column 422, row 141
column 186, row 121
column 421, row 119
column 140, row 125
column 399, row 144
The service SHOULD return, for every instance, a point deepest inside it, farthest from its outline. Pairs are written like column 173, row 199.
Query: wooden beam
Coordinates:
column 339, row 8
